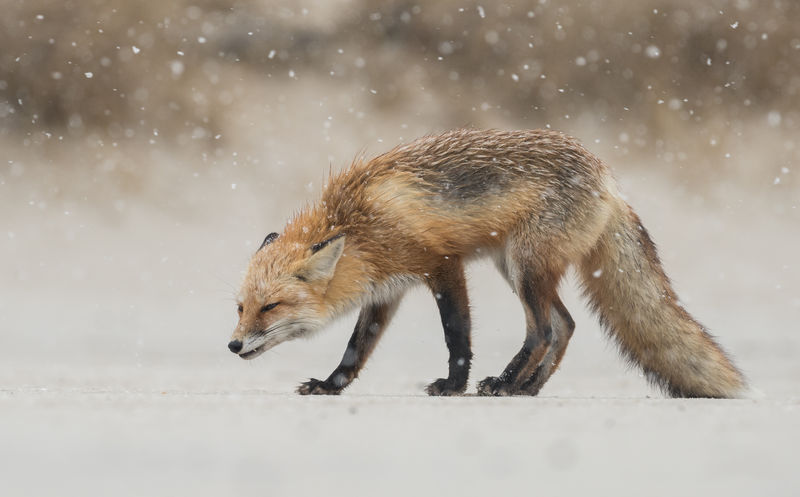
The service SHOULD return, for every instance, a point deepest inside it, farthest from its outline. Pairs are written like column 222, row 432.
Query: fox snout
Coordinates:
column 247, row 345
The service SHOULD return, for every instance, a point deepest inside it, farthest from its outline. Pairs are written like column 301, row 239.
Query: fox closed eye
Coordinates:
column 269, row 307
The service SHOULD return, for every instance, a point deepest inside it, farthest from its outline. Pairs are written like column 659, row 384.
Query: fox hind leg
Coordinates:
column 372, row 321
column 563, row 326
column 450, row 289
column 537, row 292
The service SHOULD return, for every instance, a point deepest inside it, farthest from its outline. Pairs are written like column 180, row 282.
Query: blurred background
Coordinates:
column 147, row 147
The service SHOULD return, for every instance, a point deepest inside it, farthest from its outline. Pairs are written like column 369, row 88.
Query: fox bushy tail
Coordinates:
column 628, row 289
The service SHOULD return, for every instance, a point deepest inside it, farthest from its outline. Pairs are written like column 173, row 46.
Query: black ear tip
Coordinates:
column 319, row 246
column 269, row 239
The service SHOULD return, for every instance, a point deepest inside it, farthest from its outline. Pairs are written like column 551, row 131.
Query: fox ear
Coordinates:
column 269, row 239
column 324, row 256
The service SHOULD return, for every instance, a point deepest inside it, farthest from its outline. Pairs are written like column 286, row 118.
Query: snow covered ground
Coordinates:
column 233, row 441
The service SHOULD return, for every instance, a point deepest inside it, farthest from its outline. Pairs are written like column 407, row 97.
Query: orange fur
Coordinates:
column 534, row 201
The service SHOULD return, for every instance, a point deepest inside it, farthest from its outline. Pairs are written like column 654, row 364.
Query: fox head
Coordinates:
column 283, row 294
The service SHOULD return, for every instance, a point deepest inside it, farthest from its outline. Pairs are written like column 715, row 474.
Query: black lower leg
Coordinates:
column 521, row 366
column 371, row 322
column 538, row 339
column 449, row 288
column 563, row 327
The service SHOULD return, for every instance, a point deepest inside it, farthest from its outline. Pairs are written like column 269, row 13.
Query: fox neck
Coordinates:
column 349, row 286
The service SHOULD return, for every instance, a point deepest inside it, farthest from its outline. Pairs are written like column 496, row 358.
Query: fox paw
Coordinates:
column 318, row 387
column 495, row 386
column 445, row 387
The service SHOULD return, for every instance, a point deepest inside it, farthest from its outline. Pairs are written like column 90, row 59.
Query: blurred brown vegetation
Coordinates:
column 119, row 69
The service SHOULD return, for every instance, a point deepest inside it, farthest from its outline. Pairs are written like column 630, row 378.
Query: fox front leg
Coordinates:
column 450, row 289
column 372, row 321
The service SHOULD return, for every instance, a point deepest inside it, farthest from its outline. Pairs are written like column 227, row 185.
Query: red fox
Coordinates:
column 536, row 202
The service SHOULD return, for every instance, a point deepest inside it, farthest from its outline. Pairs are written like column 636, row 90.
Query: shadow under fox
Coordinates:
column 536, row 202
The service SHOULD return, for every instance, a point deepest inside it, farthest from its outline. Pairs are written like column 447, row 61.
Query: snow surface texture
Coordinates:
column 120, row 260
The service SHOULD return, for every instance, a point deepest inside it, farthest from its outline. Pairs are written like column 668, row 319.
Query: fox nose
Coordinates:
column 235, row 346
